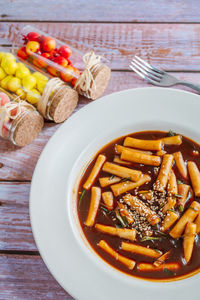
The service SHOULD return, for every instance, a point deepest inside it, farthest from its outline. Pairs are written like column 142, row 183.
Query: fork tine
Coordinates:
column 142, row 75
column 138, row 72
column 150, row 71
column 148, row 74
column 148, row 65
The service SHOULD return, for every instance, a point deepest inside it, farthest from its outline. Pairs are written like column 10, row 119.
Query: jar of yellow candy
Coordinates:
column 50, row 96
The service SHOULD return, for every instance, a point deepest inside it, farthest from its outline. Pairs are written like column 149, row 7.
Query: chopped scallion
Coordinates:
column 179, row 181
column 161, row 233
column 104, row 209
column 178, row 196
column 81, row 198
column 157, row 250
column 108, row 212
column 166, row 270
column 150, row 238
column 171, row 209
column 126, row 179
column 193, row 208
column 118, row 226
column 180, row 208
column 122, row 220
column 171, row 133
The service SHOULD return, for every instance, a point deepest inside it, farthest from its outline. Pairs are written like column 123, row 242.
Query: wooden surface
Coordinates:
column 166, row 33
column 170, row 46
column 101, row 11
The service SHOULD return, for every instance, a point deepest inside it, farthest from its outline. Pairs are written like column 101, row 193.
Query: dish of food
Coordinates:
column 66, row 250
column 138, row 205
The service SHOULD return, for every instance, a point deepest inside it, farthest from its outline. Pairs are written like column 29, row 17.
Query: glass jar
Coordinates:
column 20, row 122
column 52, row 98
column 61, row 60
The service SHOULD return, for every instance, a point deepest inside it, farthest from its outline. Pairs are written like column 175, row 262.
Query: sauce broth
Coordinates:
column 166, row 242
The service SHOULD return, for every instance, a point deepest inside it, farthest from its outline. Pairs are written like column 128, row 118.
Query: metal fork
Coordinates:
column 157, row 76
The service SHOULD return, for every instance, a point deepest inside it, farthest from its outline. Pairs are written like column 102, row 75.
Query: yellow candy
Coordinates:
column 41, row 85
column 2, row 74
column 20, row 64
column 1, row 55
column 22, row 71
column 7, row 57
column 33, row 96
column 9, row 66
column 4, row 82
column 29, row 82
column 14, row 84
column 21, row 94
column 39, row 76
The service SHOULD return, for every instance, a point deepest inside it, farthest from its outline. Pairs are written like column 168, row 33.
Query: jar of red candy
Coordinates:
column 19, row 121
column 51, row 96
column 86, row 73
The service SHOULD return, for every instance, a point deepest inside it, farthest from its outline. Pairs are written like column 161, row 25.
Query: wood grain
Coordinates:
column 19, row 163
column 101, row 11
column 27, row 278
column 15, row 229
column 174, row 47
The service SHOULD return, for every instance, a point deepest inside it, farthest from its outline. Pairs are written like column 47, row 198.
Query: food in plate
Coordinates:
column 138, row 205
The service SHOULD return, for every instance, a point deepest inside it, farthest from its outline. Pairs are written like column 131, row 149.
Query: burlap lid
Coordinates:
column 101, row 80
column 64, row 102
column 27, row 128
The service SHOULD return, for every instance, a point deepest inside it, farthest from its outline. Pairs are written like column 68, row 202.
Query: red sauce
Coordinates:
column 167, row 242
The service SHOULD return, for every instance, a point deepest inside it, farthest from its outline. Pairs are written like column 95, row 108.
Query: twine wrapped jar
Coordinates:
column 58, row 101
column 58, row 59
column 20, row 122
column 95, row 77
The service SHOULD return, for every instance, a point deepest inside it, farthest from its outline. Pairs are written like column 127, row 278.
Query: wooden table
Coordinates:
column 167, row 33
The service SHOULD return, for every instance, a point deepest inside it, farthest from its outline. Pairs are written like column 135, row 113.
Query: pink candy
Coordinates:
column 4, row 99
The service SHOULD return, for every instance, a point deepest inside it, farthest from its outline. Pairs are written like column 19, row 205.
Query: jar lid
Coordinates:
column 101, row 80
column 64, row 101
column 97, row 86
column 27, row 128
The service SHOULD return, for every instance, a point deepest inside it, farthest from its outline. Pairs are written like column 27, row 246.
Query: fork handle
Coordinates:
column 195, row 87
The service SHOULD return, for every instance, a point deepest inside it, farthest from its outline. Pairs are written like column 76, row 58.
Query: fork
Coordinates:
column 156, row 76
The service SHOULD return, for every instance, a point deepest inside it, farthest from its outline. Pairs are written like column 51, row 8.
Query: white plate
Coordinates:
column 71, row 261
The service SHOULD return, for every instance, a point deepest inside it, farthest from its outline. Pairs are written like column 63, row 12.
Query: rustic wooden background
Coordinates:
column 167, row 33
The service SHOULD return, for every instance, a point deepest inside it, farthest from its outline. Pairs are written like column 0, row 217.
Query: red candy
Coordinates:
column 48, row 43
column 22, row 53
column 74, row 81
column 42, row 60
column 61, row 61
column 53, row 71
column 67, row 77
column 14, row 111
column 46, row 51
column 32, row 46
column 33, row 36
column 65, row 51
column 5, row 131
